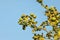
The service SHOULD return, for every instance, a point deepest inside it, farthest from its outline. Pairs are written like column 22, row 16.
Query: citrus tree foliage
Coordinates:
column 53, row 20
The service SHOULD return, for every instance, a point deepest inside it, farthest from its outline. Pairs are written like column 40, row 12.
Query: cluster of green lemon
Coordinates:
column 53, row 20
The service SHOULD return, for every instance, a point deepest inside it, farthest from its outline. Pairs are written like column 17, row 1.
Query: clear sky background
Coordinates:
column 10, row 12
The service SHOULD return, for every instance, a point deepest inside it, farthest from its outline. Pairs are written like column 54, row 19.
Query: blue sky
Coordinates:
column 10, row 12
